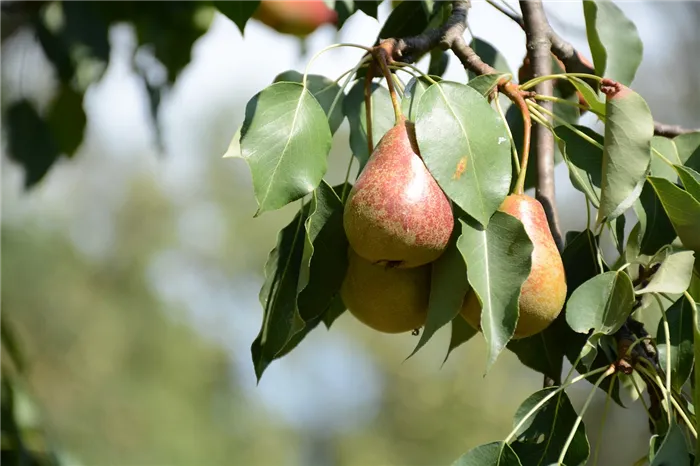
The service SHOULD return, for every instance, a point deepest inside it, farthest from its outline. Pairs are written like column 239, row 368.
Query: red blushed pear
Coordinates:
column 295, row 17
column 543, row 293
column 396, row 214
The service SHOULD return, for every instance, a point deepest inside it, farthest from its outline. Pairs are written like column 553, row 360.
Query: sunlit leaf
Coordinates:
column 674, row 274
column 614, row 41
column 485, row 83
column 285, row 140
column 448, row 286
column 382, row 118
column 324, row 90
column 680, row 323
column 543, row 435
column 234, row 147
column 682, row 209
column 688, row 146
column 601, row 304
column 411, row 95
column 660, row 167
column 238, row 12
column 629, row 129
column 490, row 454
column 498, row 262
column 465, row 145
column 589, row 95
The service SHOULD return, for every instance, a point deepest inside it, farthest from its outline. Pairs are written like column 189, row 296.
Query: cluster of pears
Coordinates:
column 398, row 220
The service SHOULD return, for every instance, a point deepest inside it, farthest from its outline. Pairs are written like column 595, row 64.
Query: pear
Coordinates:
column 543, row 294
column 396, row 214
column 389, row 300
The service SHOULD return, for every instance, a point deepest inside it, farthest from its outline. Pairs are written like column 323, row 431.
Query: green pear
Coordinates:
column 543, row 293
column 389, row 300
column 396, row 214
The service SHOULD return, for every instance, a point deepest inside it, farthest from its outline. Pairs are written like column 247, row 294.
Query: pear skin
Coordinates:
column 396, row 213
column 543, row 293
column 389, row 300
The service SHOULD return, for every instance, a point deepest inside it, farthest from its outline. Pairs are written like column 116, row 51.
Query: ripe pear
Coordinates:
column 396, row 213
column 389, row 300
column 543, row 294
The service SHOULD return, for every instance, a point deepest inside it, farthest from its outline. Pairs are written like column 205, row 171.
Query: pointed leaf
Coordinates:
column 382, row 118
column 448, row 286
column 238, row 12
column 285, row 140
column 690, row 179
column 680, row 323
column 490, row 454
column 688, row 146
column 462, row 332
column 279, row 294
column 584, row 160
column 674, row 274
column 627, row 153
column 543, row 435
column 465, row 145
column 234, row 147
column 335, row 310
column 655, row 227
column 614, row 41
column 682, row 209
column 325, row 253
column 589, row 95
column 544, row 352
column 601, row 304
column 498, row 260
column 324, row 90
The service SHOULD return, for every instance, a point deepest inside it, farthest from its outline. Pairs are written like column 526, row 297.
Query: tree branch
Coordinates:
column 539, row 52
column 575, row 62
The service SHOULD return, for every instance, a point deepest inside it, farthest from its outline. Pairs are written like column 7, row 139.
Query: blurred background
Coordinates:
column 131, row 271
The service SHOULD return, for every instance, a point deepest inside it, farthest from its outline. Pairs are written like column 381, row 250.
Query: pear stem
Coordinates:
column 368, row 110
column 380, row 54
column 512, row 91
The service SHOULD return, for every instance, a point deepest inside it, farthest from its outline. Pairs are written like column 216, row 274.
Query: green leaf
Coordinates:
column 601, row 304
column 580, row 259
column 324, row 90
column 238, row 12
column 680, row 323
column 335, row 310
column 485, row 83
column 627, row 153
column 673, row 450
column 234, row 147
column 544, row 352
column 498, row 260
column 688, row 146
column 461, row 332
column 589, row 95
column 382, row 118
column 67, row 120
column 489, row 55
column 30, row 141
column 465, row 145
column 674, row 274
column 617, row 229
column 285, row 140
column 439, row 60
column 667, row 148
column 448, row 287
column 278, row 295
column 326, row 259
column 682, row 209
column 655, row 227
column 411, row 95
column 583, row 159
column 407, row 19
column 614, row 41
column 490, row 454
column 690, row 179
column 543, row 435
